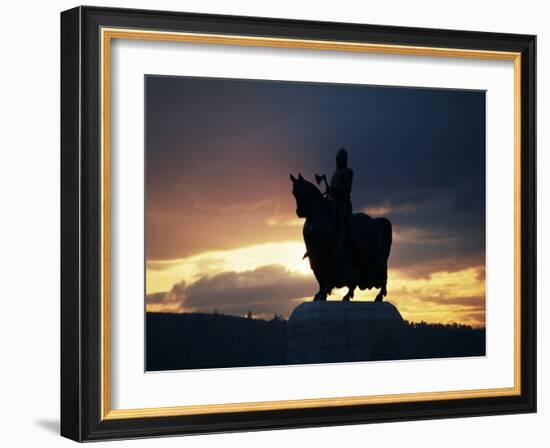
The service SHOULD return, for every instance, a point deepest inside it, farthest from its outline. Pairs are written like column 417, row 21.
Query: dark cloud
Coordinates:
column 434, row 229
column 219, row 152
column 156, row 298
column 427, row 262
column 218, row 155
column 265, row 291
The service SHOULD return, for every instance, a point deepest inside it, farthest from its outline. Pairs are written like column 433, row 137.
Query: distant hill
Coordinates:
column 200, row 341
column 422, row 340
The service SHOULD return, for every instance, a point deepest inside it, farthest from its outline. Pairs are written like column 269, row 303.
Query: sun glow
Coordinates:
column 442, row 297
column 163, row 274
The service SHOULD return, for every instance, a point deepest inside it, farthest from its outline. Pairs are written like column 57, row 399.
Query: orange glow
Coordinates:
column 442, row 297
column 162, row 274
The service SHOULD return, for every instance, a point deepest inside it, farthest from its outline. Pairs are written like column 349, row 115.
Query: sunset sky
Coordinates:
column 221, row 228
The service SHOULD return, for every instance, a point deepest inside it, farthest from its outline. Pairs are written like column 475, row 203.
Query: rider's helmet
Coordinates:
column 341, row 159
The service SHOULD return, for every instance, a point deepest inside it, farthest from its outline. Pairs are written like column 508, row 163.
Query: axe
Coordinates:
column 319, row 179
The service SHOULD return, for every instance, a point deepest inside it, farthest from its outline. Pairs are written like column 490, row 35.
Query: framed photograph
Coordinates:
column 275, row 224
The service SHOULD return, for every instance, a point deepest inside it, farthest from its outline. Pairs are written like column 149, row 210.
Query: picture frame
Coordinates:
column 86, row 209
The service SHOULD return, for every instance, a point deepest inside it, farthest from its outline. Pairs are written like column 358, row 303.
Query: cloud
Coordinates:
column 472, row 302
column 273, row 289
column 387, row 208
column 432, row 226
column 481, row 274
column 429, row 263
column 475, row 318
column 444, row 296
column 155, row 298
column 192, row 227
column 160, row 265
column 293, row 221
column 412, row 235
column 162, row 274
column 217, row 169
column 265, row 291
column 169, row 302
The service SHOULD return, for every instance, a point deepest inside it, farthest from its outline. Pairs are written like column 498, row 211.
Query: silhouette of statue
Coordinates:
column 344, row 248
column 339, row 193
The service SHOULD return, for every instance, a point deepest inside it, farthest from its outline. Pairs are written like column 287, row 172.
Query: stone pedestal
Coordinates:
column 320, row 332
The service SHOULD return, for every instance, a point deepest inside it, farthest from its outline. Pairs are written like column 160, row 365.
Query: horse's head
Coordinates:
column 306, row 194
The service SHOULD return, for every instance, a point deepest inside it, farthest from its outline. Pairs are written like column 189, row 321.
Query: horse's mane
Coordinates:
column 315, row 194
column 312, row 190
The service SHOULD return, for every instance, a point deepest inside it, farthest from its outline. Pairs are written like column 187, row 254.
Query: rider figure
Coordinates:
column 340, row 193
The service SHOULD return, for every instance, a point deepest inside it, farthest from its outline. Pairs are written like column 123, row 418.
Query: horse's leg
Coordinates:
column 321, row 295
column 323, row 276
column 323, row 292
column 349, row 294
column 383, row 293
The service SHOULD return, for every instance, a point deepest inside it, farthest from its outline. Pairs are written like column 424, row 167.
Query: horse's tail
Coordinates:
column 388, row 236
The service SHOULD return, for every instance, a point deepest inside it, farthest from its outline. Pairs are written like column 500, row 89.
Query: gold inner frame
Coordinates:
column 107, row 35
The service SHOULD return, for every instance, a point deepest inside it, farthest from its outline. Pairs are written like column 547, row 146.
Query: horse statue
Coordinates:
column 371, row 240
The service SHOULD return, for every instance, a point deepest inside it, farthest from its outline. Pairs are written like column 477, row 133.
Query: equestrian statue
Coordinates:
column 345, row 249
